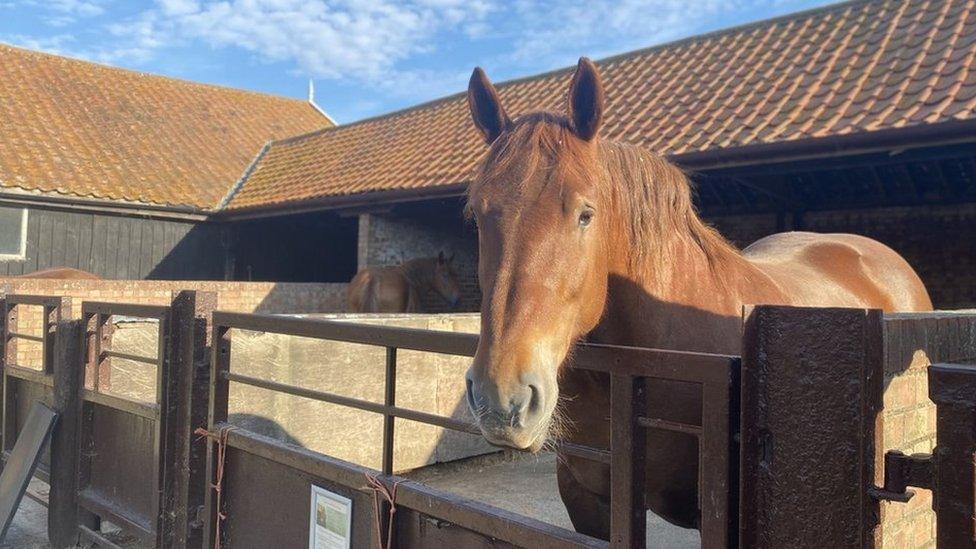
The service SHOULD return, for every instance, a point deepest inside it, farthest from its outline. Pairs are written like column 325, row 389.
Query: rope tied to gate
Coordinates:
column 389, row 494
column 221, row 439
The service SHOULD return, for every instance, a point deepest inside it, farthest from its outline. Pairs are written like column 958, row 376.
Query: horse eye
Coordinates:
column 586, row 216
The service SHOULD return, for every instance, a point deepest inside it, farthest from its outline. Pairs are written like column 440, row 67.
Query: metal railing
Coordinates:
column 628, row 368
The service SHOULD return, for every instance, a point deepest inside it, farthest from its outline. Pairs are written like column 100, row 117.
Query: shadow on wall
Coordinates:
column 176, row 252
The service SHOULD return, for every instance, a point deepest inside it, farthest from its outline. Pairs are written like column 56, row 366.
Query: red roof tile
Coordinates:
column 76, row 128
column 850, row 68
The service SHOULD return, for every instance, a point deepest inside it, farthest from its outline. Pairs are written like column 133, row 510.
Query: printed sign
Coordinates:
column 331, row 520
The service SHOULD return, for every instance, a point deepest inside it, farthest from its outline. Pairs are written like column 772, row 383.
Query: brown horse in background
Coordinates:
column 398, row 289
column 582, row 236
column 67, row 273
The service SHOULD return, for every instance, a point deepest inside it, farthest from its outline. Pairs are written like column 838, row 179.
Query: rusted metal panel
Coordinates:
column 118, row 465
column 811, row 397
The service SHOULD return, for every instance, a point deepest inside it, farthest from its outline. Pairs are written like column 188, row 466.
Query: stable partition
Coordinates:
column 22, row 383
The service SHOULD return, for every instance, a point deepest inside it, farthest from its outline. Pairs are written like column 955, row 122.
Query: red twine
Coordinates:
column 379, row 489
column 221, row 440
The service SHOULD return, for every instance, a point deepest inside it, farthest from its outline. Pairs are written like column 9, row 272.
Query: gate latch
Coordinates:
column 902, row 471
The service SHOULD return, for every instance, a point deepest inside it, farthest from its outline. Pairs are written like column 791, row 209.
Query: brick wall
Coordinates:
column 935, row 240
column 911, row 343
column 248, row 297
column 393, row 239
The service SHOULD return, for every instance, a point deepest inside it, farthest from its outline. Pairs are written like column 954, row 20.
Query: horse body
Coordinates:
column 581, row 237
column 397, row 289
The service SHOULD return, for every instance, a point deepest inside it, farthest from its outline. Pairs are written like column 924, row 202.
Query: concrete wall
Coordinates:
column 245, row 297
column 426, row 382
column 912, row 342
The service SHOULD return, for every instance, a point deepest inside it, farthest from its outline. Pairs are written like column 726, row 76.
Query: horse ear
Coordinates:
column 451, row 259
column 586, row 100
column 486, row 109
column 440, row 257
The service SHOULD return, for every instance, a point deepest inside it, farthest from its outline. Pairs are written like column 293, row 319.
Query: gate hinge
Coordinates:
column 902, row 471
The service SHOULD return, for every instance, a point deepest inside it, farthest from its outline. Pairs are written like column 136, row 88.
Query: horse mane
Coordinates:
column 652, row 197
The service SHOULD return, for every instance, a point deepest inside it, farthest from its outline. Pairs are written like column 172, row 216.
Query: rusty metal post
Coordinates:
column 187, row 348
column 628, row 443
column 64, row 515
column 953, row 389
column 812, row 383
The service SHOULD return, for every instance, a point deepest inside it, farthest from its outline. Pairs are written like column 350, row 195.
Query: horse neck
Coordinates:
column 697, row 288
column 420, row 272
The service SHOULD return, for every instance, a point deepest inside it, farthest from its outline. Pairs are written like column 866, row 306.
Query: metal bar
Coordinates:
column 674, row 365
column 28, row 337
column 124, row 309
column 389, row 399
column 450, row 343
column 715, row 465
column 29, row 374
column 141, row 409
column 97, row 538
column 365, row 405
column 627, row 448
column 665, row 425
column 220, row 354
column 497, row 523
column 585, row 452
column 126, row 356
column 104, row 508
column 39, row 300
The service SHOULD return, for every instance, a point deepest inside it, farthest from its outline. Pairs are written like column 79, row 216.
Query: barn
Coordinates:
column 856, row 117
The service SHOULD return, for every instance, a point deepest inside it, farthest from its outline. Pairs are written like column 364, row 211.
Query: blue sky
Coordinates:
column 366, row 57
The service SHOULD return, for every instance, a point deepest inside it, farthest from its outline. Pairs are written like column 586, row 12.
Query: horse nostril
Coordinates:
column 535, row 398
column 470, row 395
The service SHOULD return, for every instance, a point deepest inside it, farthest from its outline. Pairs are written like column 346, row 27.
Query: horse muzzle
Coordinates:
column 516, row 416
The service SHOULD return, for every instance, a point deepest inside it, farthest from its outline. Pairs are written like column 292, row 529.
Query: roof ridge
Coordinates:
column 173, row 79
column 793, row 16
column 239, row 184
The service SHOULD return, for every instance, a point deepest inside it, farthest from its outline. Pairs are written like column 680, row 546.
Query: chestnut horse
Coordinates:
column 398, row 289
column 579, row 236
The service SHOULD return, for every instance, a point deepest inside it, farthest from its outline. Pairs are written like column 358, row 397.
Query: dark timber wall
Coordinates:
column 118, row 247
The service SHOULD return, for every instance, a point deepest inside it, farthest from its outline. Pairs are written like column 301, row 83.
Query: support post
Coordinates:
column 952, row 387
column 64, row 515
column 812, row 383
column 628, row 445
column 185, row 480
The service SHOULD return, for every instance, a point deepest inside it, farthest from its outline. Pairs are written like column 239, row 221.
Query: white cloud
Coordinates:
column 358, row 40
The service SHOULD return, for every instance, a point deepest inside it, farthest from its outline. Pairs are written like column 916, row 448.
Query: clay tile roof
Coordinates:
column 855, row 67
column 75, row 128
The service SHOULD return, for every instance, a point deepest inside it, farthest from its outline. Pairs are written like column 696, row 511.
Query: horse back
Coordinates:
column 838, row 270
column 379, row 290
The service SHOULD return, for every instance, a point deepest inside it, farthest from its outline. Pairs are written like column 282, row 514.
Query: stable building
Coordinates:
column 856, row 117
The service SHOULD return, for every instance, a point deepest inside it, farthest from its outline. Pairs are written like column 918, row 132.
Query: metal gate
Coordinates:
column 256, row 474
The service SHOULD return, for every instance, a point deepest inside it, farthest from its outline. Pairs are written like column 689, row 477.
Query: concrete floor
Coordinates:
column 29, row 527
column 490, row 479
